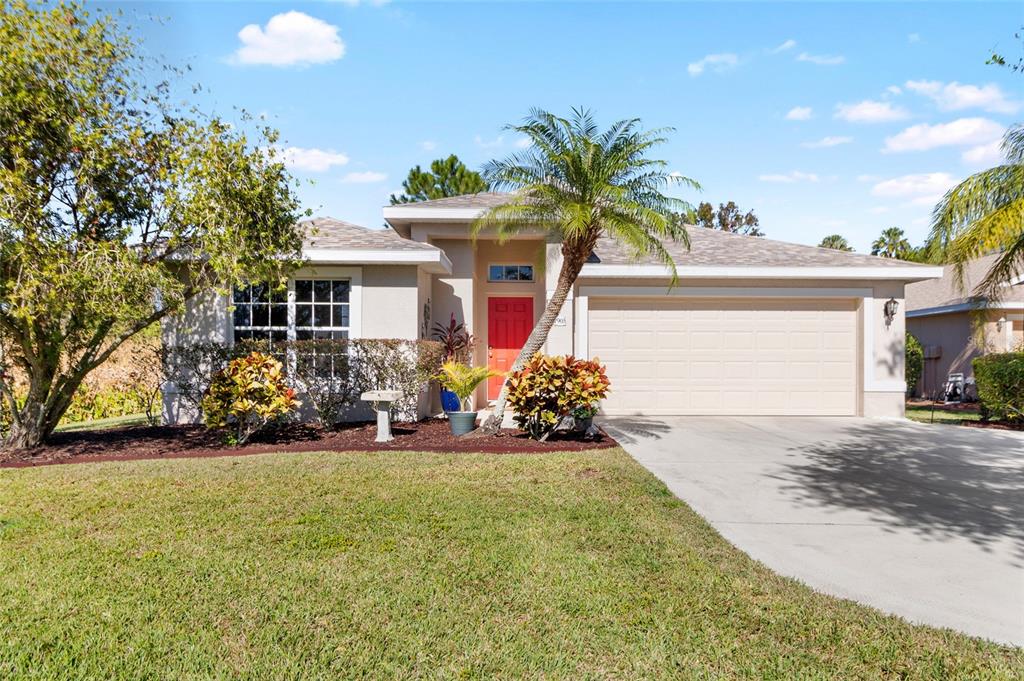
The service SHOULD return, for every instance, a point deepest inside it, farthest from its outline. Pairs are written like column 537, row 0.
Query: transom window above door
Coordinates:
column 510, row 273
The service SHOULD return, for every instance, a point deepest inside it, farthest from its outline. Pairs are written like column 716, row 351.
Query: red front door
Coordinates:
column 509, row 322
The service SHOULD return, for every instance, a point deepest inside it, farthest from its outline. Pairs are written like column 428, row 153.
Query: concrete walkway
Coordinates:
column 924, row 521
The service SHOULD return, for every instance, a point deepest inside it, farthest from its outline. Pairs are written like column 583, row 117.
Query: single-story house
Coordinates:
column 753, row 326
column 955, row 327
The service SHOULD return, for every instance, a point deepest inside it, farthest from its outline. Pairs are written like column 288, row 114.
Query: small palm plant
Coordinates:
column 463, row 380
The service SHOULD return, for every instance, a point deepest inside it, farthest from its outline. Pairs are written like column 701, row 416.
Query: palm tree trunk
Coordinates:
column 570, row 270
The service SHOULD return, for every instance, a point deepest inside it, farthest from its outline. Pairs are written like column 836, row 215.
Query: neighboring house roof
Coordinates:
column 331, row 241
column 944, row 295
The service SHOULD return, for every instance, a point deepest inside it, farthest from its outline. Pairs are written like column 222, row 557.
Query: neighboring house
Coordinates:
column 753, row 326
column 954, row 328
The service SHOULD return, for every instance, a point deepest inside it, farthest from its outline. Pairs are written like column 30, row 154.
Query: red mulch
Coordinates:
column 176, row 442
column 993, row 425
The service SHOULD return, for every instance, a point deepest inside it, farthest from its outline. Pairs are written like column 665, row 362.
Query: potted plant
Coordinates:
column 458, row 344
column 583, row 417
column 462, row 380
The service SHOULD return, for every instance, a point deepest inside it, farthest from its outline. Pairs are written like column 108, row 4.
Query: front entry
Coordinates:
column 509, row 322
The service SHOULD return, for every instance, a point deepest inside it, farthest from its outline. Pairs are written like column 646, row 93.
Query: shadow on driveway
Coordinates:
column 937, row 481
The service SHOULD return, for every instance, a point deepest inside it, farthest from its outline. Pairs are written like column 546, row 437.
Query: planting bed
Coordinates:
column 146, row 442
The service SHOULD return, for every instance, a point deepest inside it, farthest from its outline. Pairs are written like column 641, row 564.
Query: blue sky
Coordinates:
column 823, row 118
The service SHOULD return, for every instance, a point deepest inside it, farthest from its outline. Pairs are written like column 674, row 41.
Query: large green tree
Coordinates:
column 891, row 243
column 446, row 177
column 579, row 183
column 985, row 214
column 117, row 205
column 728, row 218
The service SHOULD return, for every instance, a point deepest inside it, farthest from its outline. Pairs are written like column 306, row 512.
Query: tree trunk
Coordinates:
column 571, row 266
column 44, row 407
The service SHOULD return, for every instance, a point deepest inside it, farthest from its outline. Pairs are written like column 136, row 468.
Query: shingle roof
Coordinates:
column 711, row 247
column 944, row 291
column 330, row 233
column 480, row 200
column 708, row 247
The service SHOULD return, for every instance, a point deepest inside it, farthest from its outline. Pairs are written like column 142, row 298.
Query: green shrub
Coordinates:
column 323, row 371
column 115, row 400
column 247, row 395
column 1000, row 381
column 548, row 389
column 391, row 364
column 914, row 362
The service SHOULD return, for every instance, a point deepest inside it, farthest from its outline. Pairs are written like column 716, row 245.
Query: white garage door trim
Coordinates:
column 867, row 321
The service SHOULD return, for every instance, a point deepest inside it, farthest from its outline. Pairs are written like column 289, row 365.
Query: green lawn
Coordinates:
column 104, row 424
column 927, row 415
column 409, row 565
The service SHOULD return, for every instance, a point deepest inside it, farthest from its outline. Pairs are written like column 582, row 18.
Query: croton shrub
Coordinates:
column 247, row 395
column 550, row 388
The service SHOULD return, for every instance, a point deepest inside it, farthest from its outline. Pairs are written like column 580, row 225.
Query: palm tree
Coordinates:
column 891, row 244
column 578, row 184
column 985, row 214
column 836, row 242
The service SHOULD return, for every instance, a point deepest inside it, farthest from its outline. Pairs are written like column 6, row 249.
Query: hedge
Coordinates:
column 1000, row 382
column 914, row 362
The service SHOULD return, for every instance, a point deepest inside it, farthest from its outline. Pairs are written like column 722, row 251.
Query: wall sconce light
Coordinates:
column 889, row 310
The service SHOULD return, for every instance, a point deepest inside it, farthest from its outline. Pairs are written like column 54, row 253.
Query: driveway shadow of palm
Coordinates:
column 632, row 429
column 942, row 484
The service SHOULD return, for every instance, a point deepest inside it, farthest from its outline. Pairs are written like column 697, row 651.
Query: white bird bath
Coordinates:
column 382, row 400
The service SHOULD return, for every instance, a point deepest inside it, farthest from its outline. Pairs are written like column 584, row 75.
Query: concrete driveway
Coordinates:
column 924, row 521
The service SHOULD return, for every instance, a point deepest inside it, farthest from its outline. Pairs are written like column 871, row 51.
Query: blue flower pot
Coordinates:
column 449, row 401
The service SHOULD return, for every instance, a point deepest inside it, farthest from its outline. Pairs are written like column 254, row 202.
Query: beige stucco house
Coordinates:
column 753, row 326
column 955, row 327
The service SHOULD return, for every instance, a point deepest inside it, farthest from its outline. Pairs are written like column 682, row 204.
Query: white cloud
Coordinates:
column 956, row 96
column 364, row 177
column 716, row 62
column 312, row 160
column 427, row 145
column 788, row 45
column 921, row 189
column 914, row 38
column 894, row 90
column 489, row 144
column 961, row 132
column 984, row 155
column 523, row 142
column 825, row 142
column 790, row 177
column 289, row 39
column 799, row 113
column 822, row 59
column 870, row 111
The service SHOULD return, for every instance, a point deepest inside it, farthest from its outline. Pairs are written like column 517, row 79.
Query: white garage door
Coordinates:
column 677, row 356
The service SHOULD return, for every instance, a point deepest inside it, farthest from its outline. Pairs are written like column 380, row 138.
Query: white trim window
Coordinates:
column 322, row 308
column 260, row 313
column 501, row 273
column 310, row 308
